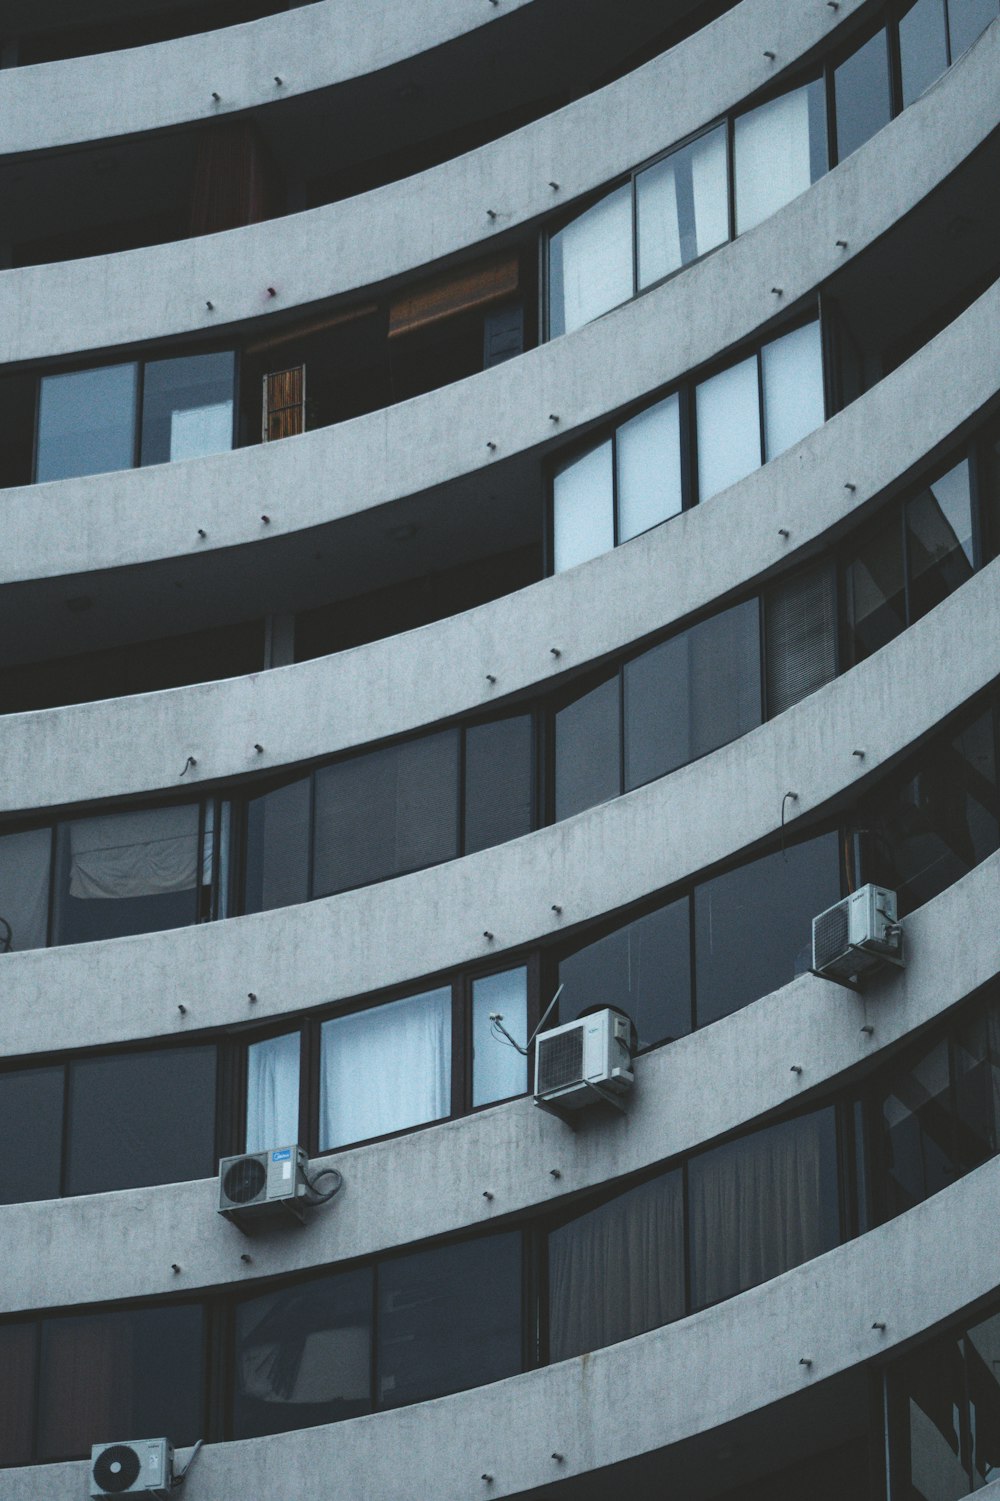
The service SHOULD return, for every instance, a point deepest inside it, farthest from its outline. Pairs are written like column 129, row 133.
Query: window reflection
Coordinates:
column 861, row 90
column 682, row 206
column 24, row 889
column 499, row 1070
column 187, row 407
column 939, row 540
column 590, row 263
column 86, row 422
column 587, row 749
column 642, row 968
column 923, row 46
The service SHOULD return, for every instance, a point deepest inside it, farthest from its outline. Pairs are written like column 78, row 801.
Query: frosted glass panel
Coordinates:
column 273, row 1092
column 775, row 157
column 682, row 206
column 86, row 422
column 793, row 388
column 499, row 1070
column 590, row 263
column 583, row 508
column 201, row 430
column 728, row 427
column 649, row 468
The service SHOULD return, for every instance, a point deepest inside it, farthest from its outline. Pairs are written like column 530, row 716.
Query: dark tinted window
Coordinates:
column 277, row 856
column 923, row 46
column 31, row 1119
column 861, row 84
column 126, row 1374
column 643, row 968
column 753, row 925
column 618, row 1270
column 588, row 755
column 386, row 812
column 448, row 1319
column 917, row 1131
column 498, row 781
column 18, row 1356
column 692, row 693
column 303, row 1355
column 136, row 872
column 140, row 1118
column 939, row 540
column 939, row 820
column 875, row 590
column 967, row 19
column 762, row 1204
column 801, row 626
column 931, row 1384
column 24, row 889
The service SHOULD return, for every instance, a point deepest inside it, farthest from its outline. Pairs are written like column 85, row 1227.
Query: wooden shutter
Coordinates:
column 459, row 291
column 284, row 408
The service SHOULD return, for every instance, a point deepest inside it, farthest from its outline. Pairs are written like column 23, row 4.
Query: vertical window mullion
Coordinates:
column 731, row 175
column 461, row 1046
column 51, row 914
column 310, row 874
column 140, row 395
column 761, row 415
column 635, row 235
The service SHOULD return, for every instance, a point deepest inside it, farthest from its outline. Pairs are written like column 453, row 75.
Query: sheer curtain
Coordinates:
column 385, row 1068
column 773, row 157
column 273, row 1092
column 134, row 854
column 87, row 1379
column 761, row 1205
column 24, row 889
column 590, row 263
column 618, row 1270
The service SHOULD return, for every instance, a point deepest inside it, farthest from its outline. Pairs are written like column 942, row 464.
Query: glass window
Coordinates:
column 861, row 90
column 498, row 1070
column 618, row 1270
column 780, row 149
column 386, row 812
column 31, row 1123
column 187, row 407
column 939, row 539
column 982, row 1363
column 762, row 1204
column 693, row 693
column 923, row 47
column 385, row 1068
column 875, row 590
column 18, row 1367
column 583, row 508
column 643, row 968
column 931, row 1382
column 499, row 781
column 128, row 873
column 976, row 1081
column 24, row 889
column 588, row 750
column 120, row 1374
column 277, row 855
column 273, row 1092
column 917, row 1125
column 753, row 925
column 448, row 1319
column 968, row 19
column 141, row 1118
column 800, row 617
column 728, row 411
column 590, row 263
column 682, row 205
column 933, row 827
column 649, row 468
column 303, row 1355
column 86, row 422
column 792, row 369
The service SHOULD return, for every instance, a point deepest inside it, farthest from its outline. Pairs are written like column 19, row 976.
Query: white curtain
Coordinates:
column 757, row 1206
column 134, row 854
column 273, row 1092
column 385, row 1069
column 773, row 163
column 793, row 388
column 196, row 431
column 710, row 184
column 591, row 263
column 618, row 1270
column 583, row 508
column 24, row 888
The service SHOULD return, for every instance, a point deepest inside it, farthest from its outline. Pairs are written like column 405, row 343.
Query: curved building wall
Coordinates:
column 839, row 1332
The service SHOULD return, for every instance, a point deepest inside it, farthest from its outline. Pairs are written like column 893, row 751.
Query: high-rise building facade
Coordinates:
column 500, row 516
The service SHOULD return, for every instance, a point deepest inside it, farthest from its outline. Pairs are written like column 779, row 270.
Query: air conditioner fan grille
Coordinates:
column 560, row 1060
column 116, row 1468
column 244, row 1181
column 831, row 934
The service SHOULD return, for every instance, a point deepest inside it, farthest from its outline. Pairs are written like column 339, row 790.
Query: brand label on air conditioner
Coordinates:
column 284, row 1155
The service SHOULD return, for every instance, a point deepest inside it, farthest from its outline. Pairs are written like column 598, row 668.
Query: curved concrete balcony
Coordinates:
column 162, row 291
column 402, row 930
column 715, row 1366
column 430, row 1183
column 406, row 682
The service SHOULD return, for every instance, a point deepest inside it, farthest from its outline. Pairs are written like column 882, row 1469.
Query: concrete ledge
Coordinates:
column 402, row 930
column 115, row 94
column 705, row 1370
column 140, row 515
column 403, row 683
column 160, row 291
column 67, row 1251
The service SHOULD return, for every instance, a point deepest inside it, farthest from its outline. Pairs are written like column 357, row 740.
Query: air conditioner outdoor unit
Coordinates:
column 259, row 1186
column 142, row 1466
column 583, row 1061
column 857, row 935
